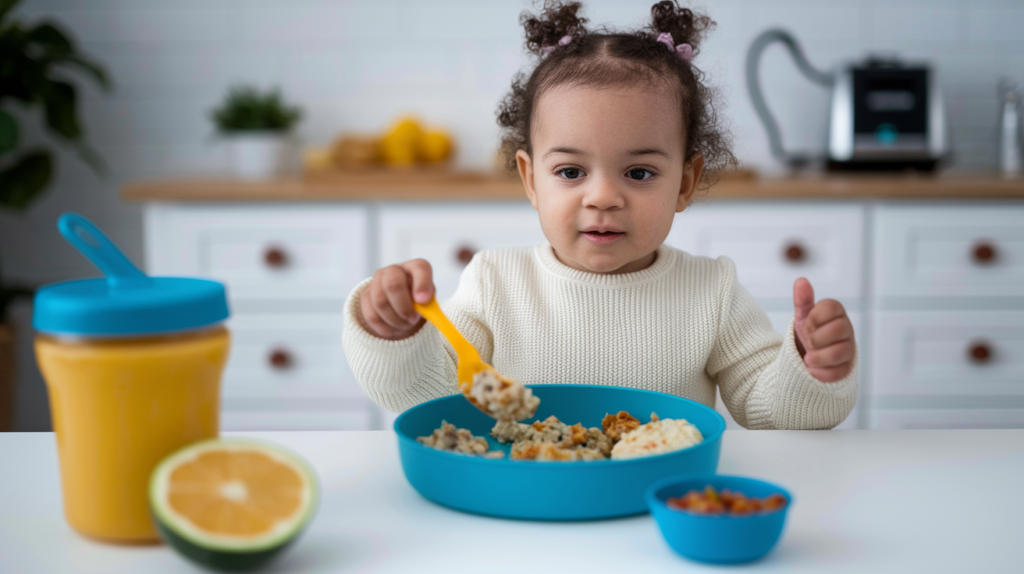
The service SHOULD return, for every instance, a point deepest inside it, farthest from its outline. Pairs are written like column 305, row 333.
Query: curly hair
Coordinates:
column 570, row 54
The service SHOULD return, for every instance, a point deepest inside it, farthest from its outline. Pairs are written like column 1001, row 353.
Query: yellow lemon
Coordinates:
column 400, row 146
column 436, row 146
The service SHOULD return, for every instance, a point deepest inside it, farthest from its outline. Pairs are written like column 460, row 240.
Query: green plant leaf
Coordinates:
column 245, row 108
column 21, row 182
column 95, row 71
column 5, row 7
column 8, row 132
column 59, row 102
column 50, row 38
column 92, row 158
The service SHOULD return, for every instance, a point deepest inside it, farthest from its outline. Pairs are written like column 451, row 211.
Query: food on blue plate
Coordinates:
column 623, row 437
column 502, row 398
column 619, row 424
column 452, row 439
column 656, row 437
column 711, row 501
column 550, row 452
column 551, row 440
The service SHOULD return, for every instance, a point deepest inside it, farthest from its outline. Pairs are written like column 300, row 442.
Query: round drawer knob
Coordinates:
column 794, row 252
column 464, row 254
column 275, row 257
column 280, row 359
column 984, row 253
column 979, row 352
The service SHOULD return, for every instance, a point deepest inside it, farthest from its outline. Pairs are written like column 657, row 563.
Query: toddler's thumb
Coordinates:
column 803, row 299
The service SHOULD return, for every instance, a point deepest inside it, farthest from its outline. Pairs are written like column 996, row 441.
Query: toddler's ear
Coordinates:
column 692, row 171
column 525, row 166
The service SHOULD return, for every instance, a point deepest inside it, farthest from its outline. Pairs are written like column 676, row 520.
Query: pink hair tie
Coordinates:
column 561, row 42
column 684, row 51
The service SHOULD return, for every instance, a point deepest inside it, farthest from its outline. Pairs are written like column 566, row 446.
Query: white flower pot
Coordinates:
column 258, row 155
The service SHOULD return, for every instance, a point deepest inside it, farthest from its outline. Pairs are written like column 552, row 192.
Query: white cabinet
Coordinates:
column 948, row 315
column 287, row 269
column 935, row 291
column 930, row 353
column 267, row 251
column 774, row 243
column 950, row 250
column 448, row 234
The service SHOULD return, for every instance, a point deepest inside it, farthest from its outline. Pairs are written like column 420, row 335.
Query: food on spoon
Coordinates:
column 452, row 439
column 232, row 504
column 502, row 398
column 710, row 501
column 656, row 437
column 577, row 442
column 619, row 424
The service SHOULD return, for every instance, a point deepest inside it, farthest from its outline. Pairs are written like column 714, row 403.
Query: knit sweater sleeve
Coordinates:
column 397, row 375
column 763, row 381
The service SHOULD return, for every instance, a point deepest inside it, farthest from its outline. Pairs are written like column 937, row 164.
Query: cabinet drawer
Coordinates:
column 909, row 419
column 948, row 353
column 262, row 251
column 949, row 250
column 447, row 235
column 773, row 244
column 283, row 355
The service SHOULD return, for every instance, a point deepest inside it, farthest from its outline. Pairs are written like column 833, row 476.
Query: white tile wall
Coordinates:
column 354, row 65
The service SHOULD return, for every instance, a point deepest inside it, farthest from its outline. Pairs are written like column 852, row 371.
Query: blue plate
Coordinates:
column 580, row 490
column 717, row 539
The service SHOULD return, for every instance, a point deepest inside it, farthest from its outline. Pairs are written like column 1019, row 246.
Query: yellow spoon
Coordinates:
column 470, row 362
column 505, row 400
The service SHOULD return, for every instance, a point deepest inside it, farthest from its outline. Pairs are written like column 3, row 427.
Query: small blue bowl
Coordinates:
column 583, row 490
column 717, row 539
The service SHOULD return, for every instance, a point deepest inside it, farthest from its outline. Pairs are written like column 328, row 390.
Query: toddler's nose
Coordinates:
column 603, row 193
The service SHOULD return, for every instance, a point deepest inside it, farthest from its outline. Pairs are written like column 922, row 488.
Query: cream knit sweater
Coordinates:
column 681, row 326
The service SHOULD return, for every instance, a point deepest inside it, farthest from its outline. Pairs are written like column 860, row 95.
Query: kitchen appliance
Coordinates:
column 1010, row 126
column 885, row 114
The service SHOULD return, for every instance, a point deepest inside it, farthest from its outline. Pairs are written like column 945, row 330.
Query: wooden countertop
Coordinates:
column 432, row 185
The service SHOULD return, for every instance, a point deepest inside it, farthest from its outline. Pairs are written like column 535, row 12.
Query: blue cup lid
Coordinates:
column 126, row 301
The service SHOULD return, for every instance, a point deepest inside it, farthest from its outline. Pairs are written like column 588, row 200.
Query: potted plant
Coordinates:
column 34, row 60
column 256, row 125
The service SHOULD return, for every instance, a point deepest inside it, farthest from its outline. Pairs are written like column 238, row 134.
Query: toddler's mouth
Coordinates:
column 603, row 237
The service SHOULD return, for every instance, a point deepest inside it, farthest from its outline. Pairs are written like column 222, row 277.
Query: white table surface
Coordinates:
column 864, row 501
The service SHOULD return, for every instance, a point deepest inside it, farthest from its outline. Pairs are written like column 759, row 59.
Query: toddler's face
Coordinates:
column 607, row 174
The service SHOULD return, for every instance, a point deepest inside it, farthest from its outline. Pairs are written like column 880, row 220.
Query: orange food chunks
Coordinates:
column 235, row 493
column 711, row 501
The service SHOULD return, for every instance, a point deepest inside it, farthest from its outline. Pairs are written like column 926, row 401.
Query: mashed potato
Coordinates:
column 657, row 437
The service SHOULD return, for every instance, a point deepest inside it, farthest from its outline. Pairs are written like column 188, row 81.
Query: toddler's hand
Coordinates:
column 824, row 334
column 386, row 304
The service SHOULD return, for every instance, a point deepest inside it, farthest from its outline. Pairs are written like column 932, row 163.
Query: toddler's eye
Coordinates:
column 571, row 172
column 639, row 173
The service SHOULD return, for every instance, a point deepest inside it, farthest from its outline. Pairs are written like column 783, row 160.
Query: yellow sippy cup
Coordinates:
column 132, row 364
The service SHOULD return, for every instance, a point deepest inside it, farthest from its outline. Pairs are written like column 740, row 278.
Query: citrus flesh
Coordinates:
column 231, row 497
column 235, row 493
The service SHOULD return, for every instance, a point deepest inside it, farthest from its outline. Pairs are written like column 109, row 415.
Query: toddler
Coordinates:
column 612, row 134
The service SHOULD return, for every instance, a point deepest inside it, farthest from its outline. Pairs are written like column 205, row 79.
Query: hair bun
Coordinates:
column 556, row 21
column 684, row 26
